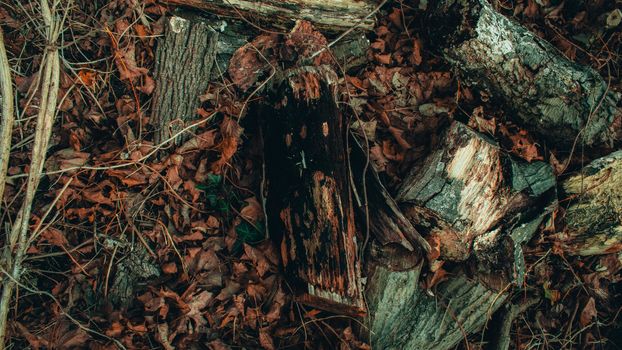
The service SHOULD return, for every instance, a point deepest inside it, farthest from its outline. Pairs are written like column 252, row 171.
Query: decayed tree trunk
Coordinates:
column 594, row 211
column 184, row 61
column 327, row 16
column 549, row 94
column 308, row 194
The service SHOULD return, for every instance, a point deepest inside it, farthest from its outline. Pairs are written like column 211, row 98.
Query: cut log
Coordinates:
column 476, row 200
column 594, row 214
column 547, row 93
column 184, row 60
column 404, row 316
column 308, row 202
column 327, row 16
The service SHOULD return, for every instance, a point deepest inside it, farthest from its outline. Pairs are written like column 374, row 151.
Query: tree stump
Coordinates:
column 309, row 204
column 184, row 60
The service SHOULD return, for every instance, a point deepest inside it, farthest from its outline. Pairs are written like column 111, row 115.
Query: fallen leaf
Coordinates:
column 588, row 313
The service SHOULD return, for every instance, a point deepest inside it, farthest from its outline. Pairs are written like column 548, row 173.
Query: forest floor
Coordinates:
column 168, row 252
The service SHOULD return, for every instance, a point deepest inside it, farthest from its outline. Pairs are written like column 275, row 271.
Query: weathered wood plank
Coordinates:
column 328, row 16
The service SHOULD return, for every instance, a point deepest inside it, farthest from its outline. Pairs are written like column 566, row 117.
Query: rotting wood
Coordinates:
column 387, row 223
column 184, row 60
column 477, row 200
column 309, row 204
column 550, row 95
column 328, row 16
column 593, row 203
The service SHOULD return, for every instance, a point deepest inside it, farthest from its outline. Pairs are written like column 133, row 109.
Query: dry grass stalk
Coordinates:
column 16, row 243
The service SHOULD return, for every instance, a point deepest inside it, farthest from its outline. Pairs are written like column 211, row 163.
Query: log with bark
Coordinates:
column 309, row 202
column 405, row 316
column 550, row 95
column 327, row 16
column 184, row 60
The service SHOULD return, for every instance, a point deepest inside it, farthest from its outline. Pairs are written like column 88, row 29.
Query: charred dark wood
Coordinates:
column 328, row 16
column 184, row 60
column 308, row 202
column 552, row 96
column 593, row 214
column 477, row 200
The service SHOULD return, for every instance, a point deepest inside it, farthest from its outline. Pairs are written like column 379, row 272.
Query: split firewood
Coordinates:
column 478, row 201
column 593, row 204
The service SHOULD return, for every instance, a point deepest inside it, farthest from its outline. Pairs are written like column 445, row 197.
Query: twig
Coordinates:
column 8, row 113
column 17, row 239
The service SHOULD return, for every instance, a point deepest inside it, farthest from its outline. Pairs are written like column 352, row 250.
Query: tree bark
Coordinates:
column 594, row 214
column 550, row 95
column 184, row 60
column 309, row 205
column 328, row 16
column 404, row 316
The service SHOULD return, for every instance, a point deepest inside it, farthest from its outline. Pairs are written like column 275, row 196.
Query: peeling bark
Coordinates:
column 594, row 216
column 330, row 16
column 550, row 95
column 309, row 205
column 184, row 60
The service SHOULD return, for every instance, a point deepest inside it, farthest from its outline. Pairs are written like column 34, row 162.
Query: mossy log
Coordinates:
column 550, row 95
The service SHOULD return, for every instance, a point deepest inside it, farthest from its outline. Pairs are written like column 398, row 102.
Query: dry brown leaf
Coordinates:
column 252, row 211
column 265, row 339
column 588, row 313
column 126, row 63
